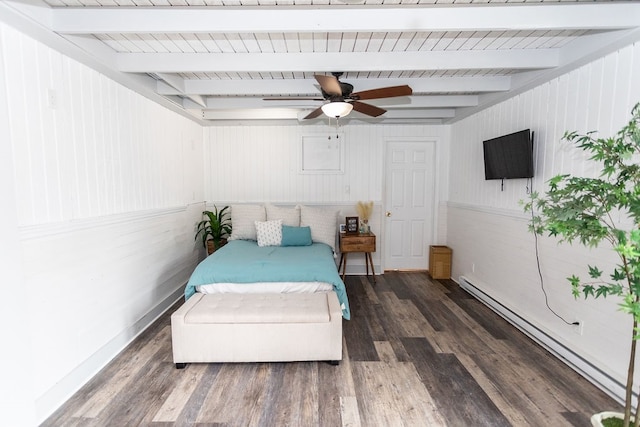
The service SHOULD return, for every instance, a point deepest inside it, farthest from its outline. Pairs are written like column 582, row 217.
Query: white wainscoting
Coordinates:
column 91, row 287
column 107, row 188
column 487, row 228
column 495, row 252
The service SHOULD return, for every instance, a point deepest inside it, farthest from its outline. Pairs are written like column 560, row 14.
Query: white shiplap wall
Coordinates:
column 262, row 164
column 87, row 146
column 17, row 403
column 488, row 229
column 108, row 186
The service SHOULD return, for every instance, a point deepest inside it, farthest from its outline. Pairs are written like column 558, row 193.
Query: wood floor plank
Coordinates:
column 123, row 377
column 272, row 396
column 398, row 286
column 370, row 292
column 417, row 352
column 408, row 322
column 349, row 412
column 392, row 395
column 330, row 394
column 385, row 352
column 357, row 331
column 342, row 374
column 498, row 394
column 182, row 391
column 234, row 394
column 423, row 287
column 459, row 397
column 304, row 405
column 144, row 396
column 191, row 409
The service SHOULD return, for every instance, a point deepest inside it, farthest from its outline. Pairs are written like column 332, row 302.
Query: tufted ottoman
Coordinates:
column 257, row 328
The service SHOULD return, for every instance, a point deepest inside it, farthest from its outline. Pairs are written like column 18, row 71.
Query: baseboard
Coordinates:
column 359, row 270
column 592, row 373
column 63, row 390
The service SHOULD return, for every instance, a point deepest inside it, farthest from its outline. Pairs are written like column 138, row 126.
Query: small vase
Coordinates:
column 364, row 226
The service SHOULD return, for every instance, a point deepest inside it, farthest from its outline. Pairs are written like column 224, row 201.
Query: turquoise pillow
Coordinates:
column 296, row 236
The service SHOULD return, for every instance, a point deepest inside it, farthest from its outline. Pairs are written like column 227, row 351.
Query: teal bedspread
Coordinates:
column 242, row 261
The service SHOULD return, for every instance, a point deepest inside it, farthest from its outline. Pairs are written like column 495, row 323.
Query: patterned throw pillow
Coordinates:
column 269, row 233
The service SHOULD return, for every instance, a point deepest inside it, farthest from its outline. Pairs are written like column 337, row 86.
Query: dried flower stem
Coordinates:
column 364, row 210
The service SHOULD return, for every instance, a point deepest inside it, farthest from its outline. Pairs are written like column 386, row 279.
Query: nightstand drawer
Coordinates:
column 358, row 243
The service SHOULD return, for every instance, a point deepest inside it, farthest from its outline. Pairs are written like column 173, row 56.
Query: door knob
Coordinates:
column 388, row 214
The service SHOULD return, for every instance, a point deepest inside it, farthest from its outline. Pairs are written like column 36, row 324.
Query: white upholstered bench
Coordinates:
column 257, row 328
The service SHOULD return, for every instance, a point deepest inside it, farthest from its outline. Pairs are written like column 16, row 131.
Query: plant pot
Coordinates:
column 596, row 419
column 212, row 247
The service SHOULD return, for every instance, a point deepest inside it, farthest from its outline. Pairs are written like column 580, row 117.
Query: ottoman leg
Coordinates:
column 181, row 365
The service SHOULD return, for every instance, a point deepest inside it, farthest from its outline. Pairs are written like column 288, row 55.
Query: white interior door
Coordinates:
column 409, row 203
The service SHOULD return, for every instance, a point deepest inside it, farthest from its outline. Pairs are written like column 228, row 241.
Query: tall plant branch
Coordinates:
column 577, row 208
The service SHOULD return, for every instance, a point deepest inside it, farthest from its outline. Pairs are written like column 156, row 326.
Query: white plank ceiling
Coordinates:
column 215, row 60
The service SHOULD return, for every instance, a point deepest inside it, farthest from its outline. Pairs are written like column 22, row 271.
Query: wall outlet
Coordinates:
column 52, row 99
column 579, row 327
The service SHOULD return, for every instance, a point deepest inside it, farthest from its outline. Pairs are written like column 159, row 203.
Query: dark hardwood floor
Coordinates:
column 417, row 353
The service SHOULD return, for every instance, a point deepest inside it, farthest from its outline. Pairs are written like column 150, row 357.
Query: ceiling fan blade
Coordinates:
column 315, row 113
column 329, row 84
column 301, row 98
column 368, row 109
column 383, row 92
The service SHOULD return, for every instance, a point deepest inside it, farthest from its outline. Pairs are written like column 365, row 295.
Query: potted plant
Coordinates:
column 214, row 229
column 585, row 210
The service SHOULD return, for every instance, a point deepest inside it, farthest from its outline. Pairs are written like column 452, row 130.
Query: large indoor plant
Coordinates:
column 585, row 210
column 214, row 229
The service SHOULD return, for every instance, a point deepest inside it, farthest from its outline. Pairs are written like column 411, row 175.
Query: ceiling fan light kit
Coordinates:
column 342, row 99
column 337, row 109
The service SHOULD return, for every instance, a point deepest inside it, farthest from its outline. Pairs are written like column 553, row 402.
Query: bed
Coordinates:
column 241, row 266
column 272, row 293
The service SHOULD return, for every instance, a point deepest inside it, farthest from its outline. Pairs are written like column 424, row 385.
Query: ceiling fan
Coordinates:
column 341, row 98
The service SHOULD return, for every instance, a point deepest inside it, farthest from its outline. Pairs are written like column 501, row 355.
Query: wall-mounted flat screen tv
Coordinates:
column 509, row 156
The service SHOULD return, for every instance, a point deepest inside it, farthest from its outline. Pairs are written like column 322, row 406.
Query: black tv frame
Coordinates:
column 509, row 156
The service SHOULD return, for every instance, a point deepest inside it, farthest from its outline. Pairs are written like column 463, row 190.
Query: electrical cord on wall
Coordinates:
column 544, row 292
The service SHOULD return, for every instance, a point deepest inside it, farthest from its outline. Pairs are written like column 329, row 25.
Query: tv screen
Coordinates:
column 509, row 156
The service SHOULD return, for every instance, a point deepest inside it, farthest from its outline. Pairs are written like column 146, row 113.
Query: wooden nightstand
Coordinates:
column 360, row 242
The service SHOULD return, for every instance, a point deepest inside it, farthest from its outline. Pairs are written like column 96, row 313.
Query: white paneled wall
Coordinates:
column 488, row 229
column 17, row 402
column 262, row 163
column 108, row 187
column 87, row 146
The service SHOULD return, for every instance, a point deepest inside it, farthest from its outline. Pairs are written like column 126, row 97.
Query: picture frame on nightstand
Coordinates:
column 352, row 224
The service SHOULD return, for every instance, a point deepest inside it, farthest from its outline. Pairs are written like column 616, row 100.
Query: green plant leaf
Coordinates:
column 589, row 210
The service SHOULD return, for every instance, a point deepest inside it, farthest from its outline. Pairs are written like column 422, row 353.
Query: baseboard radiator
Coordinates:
column 585, row 368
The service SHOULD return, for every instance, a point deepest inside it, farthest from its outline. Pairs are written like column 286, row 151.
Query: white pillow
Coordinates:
column 269, row 233
column 322, row 222
column 289, row 216
column 243, row 219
